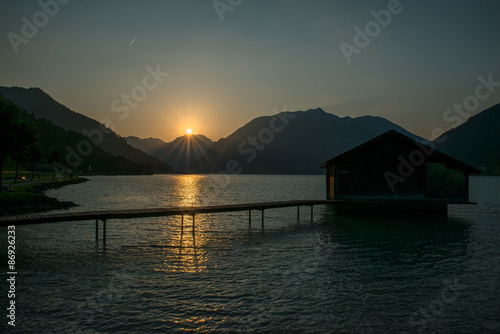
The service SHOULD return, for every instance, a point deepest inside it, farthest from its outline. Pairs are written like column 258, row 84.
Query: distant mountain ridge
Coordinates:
column 147, row 145
column 290, row 143
column 476, row 142
column 98, row 161
column 178, row 153
column 286, row 143
column 41, row 105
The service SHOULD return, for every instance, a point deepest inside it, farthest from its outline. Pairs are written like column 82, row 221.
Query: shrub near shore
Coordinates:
column 31, row 198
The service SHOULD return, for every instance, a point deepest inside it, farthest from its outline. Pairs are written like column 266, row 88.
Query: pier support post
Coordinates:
column 193, row 224
column 96, row 230
column 298, row 212
column 262, row 219
column 312, row 214
column 182, row 224
column 104, row 231
column 249, row 218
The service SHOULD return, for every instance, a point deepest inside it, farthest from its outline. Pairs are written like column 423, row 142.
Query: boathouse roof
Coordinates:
column 394, row 135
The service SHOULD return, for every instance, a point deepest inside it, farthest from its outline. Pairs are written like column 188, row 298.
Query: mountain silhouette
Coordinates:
column 178, row 153
column 476, row 142
column 286, row 143
column 41, row 105
column 290, row 143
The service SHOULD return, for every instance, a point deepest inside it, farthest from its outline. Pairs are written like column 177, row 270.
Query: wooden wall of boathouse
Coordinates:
column 394, row 167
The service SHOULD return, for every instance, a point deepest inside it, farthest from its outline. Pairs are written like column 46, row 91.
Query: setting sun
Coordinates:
column 189, row 131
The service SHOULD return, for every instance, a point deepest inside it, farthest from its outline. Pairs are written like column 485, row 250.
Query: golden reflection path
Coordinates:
column 184, row 251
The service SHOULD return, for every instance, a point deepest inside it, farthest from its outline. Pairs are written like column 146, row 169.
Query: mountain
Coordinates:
column 146, row 145
column 476, row 142
column 290, row 143
column 54, row 138
column 41, row 105
column 178, row 153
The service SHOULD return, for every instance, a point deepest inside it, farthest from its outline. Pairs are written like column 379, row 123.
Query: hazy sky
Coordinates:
column 229, row 65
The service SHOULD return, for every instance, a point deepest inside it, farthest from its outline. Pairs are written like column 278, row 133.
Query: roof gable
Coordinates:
column 393, row 136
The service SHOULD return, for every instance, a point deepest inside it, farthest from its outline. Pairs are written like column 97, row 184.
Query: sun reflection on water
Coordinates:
column 189, row 190
column 185, row 249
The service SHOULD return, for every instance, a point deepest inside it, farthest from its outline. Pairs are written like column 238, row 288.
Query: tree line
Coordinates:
column 35, row 145
column 18, row 138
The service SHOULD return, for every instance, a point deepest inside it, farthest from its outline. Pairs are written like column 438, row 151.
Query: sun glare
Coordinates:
column 189, row 131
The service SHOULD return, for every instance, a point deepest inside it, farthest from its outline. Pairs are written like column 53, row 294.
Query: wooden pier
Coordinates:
column 158, row 212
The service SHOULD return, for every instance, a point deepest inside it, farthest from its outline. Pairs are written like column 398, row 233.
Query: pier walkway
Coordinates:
column 158, row 212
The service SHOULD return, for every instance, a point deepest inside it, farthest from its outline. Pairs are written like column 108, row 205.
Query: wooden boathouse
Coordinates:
column 394, row 174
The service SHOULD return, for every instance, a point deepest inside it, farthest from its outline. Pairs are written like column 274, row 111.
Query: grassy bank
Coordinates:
column 31, row 198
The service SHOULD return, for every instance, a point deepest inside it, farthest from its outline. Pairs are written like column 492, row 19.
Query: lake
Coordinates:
column 336, row 275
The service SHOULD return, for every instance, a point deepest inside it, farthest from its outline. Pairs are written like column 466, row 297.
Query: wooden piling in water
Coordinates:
column 104, row 231
column 160, row 212
column 262, row 219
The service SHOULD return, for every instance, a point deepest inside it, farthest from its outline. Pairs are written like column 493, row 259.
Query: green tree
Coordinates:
column 26, row 138
column 34, row 157
column 16, row 135
column 55, row 157
column 18, row 159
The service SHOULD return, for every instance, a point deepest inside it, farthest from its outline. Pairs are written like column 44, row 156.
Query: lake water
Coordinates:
column 337, row 275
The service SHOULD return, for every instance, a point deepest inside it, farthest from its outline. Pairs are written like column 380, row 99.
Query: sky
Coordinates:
column 155, row 68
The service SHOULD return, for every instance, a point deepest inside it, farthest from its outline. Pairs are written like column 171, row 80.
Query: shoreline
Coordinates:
column 32, row 198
